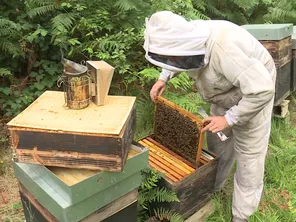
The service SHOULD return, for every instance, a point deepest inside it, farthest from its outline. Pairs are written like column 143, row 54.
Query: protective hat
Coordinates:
column 170, row 37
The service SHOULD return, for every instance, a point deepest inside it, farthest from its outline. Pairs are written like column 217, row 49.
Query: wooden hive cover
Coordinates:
column 178, row 130
column 270, row 31
column 48, row 112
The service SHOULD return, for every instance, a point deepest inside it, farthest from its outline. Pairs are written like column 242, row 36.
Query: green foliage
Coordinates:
column 151, row 195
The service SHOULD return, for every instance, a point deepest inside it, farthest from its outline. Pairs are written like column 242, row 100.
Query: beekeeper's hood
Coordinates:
column 174, row 43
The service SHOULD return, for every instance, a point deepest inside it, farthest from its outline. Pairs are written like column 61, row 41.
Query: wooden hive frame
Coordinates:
column 182, row 115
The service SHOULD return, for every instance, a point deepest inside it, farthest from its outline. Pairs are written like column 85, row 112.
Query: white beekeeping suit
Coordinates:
column 234, row 73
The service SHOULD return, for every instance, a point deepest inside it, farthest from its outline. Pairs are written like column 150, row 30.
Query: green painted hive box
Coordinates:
column 72, row 198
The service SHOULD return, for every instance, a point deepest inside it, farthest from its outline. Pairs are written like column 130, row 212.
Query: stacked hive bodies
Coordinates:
column 277, row 39
column 176, row 149
column 72, row 165
column 293, row 79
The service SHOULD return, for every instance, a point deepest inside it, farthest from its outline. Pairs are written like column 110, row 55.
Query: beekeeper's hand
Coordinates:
column 157, row 89
column 215, row 124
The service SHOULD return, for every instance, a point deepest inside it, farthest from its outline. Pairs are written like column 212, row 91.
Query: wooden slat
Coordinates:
column 167, row 169
column 168, row 164
column 48, row 112
column 158, row 168
column 175, row 155
column 46, row 214
column 170, row 158
column 180, row 109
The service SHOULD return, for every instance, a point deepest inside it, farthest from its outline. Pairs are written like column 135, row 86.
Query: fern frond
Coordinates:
column 7, row 27
column 10, row 48
column 127, row 4
column 65, row 20
column 161, row 195
column 182, row 82
column 169, row 215
column 42, row 10
column 5, row 72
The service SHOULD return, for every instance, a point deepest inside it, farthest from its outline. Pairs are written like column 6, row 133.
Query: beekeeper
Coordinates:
column 234, row 73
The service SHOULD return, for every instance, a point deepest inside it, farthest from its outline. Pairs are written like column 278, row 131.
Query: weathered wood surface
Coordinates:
column 76, row 185
column 281, row 50
column 293, row 72
column 48, row 113
column 178, row 130
column 194, row 190
column 203, row 213
column 83, row 151
column 283, row 83
column 122, row 209
column 192, row 185
column 102, row 74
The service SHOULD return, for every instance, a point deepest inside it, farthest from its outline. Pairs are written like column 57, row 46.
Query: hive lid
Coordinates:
column 270, row 31
column 48, row 112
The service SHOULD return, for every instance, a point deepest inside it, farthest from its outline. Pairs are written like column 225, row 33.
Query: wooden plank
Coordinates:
column 44, row 212
column 170, row 158
column 194, row 190
column 283, row 83
column 281, row 51
column 269, row 31
column 168, row 164
column 48, row 112
column 178, row 158
column 158, row 168
column 113, row 208
column 166, row 168
column 102, row 74
column 180, row 109
column 202, row 213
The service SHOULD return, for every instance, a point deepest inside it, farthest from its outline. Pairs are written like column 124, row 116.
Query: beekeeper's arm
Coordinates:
column 159, row 87
column 250, row 75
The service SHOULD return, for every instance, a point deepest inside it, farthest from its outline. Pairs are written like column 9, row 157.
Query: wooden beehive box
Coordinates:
column 277, row 39
column 176, row 149
column 96, row 138
column 293, row 72
column 73, row 195
column 122, row 209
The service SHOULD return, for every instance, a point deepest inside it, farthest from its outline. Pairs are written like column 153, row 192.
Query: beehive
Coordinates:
column 277, row 39
column 293, row 71
column 96, row 138
column 189, row 170
column 73, row 195
column 122, row 209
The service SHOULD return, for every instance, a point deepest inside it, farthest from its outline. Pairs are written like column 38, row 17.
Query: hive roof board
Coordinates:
column 48, row 112
column 270, row 31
